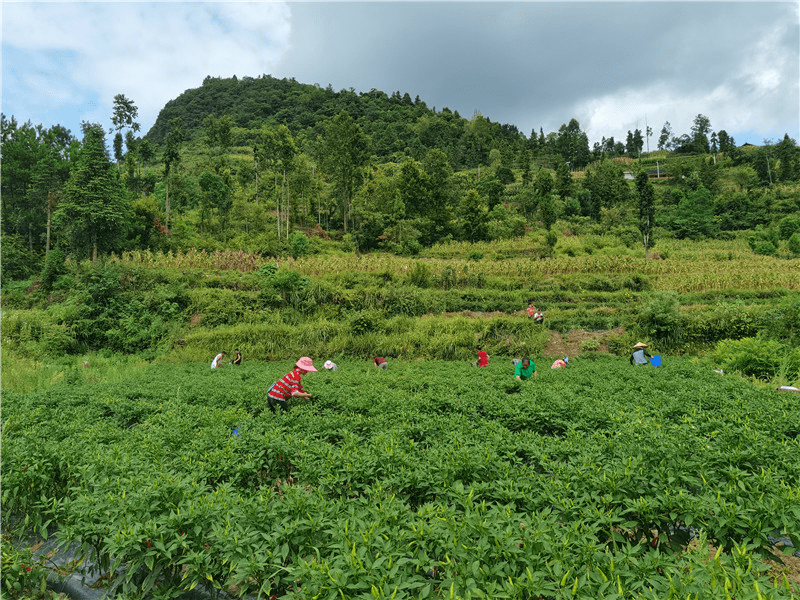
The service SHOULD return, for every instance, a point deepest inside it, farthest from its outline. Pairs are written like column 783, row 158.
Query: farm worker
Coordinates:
column 561, row 363
column 525, row 369
column 788, row 388
column 289, row 386
column 639, row 355
column 538, row 317
column 330, row 366
column 531, row 310
column 380, row 363
column 217, row 360
column 483, row 358
column 238, row 359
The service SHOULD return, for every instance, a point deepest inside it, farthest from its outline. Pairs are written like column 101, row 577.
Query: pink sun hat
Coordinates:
column 305, row 364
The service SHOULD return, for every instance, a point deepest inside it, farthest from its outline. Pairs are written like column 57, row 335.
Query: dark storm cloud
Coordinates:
column 541, row 64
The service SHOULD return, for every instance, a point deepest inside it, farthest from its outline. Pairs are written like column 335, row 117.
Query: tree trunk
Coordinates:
column 47, row 243
column 277, row 206
column 166, row 204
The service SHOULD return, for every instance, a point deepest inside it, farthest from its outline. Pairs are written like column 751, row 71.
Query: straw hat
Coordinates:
column 305, row 364
column 640, row 345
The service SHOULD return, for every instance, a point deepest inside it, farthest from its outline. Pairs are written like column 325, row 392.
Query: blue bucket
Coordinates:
column 656, row 361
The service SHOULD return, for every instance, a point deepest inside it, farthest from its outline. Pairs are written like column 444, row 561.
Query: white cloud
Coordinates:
column 151, row 52
column 756, row 96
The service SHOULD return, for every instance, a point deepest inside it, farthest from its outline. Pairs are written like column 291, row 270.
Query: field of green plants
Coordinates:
column 430, row 480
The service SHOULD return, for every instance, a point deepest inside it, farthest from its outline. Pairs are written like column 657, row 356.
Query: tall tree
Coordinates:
column 646, row 198
column 124, row 115
column 172, row 157
column 91, row 213
column 547, row 211
column 36, row 164
column 700, row 128
column 277, row 151
column 606, row 182
column 472, row 211
column 145, row 154
column 573, row 144
column 666, row 134
column 787, row 152
column 563, row 185
column 440, row 191
column 343, row 153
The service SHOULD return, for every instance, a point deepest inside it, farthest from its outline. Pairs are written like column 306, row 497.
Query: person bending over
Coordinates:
column 525, row 369
column 290, row 386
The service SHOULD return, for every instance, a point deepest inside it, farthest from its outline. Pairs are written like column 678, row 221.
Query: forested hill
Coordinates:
column 394, row 123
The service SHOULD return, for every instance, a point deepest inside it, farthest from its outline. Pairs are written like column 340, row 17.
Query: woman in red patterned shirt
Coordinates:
column 289, row 386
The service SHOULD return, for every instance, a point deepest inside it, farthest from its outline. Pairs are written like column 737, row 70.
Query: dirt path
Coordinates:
column 570, row 344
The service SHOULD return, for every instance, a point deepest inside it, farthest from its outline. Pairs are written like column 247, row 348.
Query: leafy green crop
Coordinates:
column 428, row 480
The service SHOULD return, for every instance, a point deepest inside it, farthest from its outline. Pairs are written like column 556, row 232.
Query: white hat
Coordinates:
column 330, row 365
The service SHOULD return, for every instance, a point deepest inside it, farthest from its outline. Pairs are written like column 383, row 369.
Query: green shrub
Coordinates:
column 620, row 345
column 366, row 322
column 765, row 248
column 757, row 356
column 590, row 345
column 662, row 321
column 54, row 266
column 794, row 244
column 298, row 242
column 18, row 261
column 788, row 226
column 420, row 276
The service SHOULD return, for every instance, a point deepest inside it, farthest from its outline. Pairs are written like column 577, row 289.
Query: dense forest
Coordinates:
column 276, row 167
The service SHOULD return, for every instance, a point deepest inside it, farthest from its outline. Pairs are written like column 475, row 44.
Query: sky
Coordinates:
column 615, row 67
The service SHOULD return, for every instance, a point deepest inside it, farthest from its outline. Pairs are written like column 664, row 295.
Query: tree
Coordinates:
column 638, row 141
column 440, row 191
column 472, row 211
column 700, row 128
column 492, row 189
column 125, row 112
column 172, row 156
column 694, row 218
column 543, row 183
column 563, row 186
column 92, row 211
column 412, row 183
column 217, row 194
column 630, row 147
column 277, row 151
column 726, row 142
column 118, row 148
column 666, row 134
column 218, row 134
column 145, row 154
column 606, row 182
column 35, row 166
column 547, row 211
column 124, row 115
column 646, row 197
column 573, row 144
column 787, row 152
column 343, row 153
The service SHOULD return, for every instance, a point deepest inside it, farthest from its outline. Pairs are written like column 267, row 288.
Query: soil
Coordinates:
column 790, row 566
column 570, row 344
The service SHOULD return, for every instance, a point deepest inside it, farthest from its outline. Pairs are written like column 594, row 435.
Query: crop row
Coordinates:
column 428, row 480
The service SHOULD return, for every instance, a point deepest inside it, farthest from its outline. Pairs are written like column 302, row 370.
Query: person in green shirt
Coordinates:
column 525, row 369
